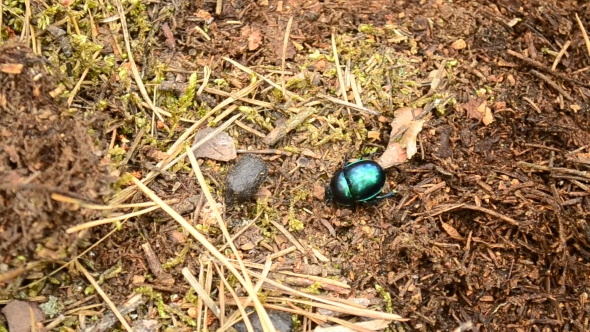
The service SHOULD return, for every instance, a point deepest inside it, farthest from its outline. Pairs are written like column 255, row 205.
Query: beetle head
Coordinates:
column 328, row 194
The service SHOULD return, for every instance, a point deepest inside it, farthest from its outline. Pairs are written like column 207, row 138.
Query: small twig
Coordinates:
column 155, row 265
column 249, row 129
column 288, row 235
column 199, row 299
column 241, row 231
column 347, row 104
column 314, row 278
column 571, row 153
column 247, row 322
column 104, row 296
column 583, row 174
column 560, row 54
column 202, row 32
column 355, row 91
column 136, row 75
column 339, row 70
column 285, row 43
column 54, row 323
column 91, row 206
column 493, row 213
column 267, row 151
column 1, row 17
column 99, row 222
column 244, row 279
column 552, row 84
column 581, row 185
column 79, row 83
column 540, row 146
column 475, row 208
column 198, row 208
column 207, row 75
column 134, row 145
column 283, row 252
column 225, row 113
column 540, row 66
column 584, row 34
column 218, row 7
column 221, row 289
column 201, row 292
column 269, row 81
column 232, row 319
column 292, row 123
column 326, row 303
column 532, row 103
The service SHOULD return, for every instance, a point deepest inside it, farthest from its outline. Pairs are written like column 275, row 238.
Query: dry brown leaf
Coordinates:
column 221, row 147
column 488, row 117
column 472, row 109
column 403, row 116
column 21, row 315
column 409, row 139
column 451, row 231
column 204, row 15
column 394, row 154
column 254, row 39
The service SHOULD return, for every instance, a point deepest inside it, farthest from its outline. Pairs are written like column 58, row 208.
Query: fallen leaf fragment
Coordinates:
column 487, row 116
column 478, row 109
column 395, row 153
column 403, row 116
column 451, row 231
column 410, row 136
column 254, row 37
column 221, row 147
column 204, row 15
column 20, row 315
column 471, row 108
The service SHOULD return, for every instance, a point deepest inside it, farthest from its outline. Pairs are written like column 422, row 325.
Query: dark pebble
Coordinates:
column 244, row 179
column 281, row 320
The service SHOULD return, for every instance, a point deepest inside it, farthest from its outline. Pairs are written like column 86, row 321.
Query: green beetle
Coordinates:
column 359, row 181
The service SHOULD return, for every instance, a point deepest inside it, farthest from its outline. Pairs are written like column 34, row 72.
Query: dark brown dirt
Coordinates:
column 44, row 151
column 491, row 222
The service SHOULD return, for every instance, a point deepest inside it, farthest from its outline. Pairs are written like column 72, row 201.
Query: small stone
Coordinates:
column 244, row 179
column 281, row 321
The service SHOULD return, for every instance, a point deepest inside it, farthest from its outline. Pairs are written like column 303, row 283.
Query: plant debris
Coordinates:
column 478, row 112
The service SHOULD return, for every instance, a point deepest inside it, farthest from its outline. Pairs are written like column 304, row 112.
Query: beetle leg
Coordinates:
column 345, row 161
column 367, row 155
column 393, row 192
